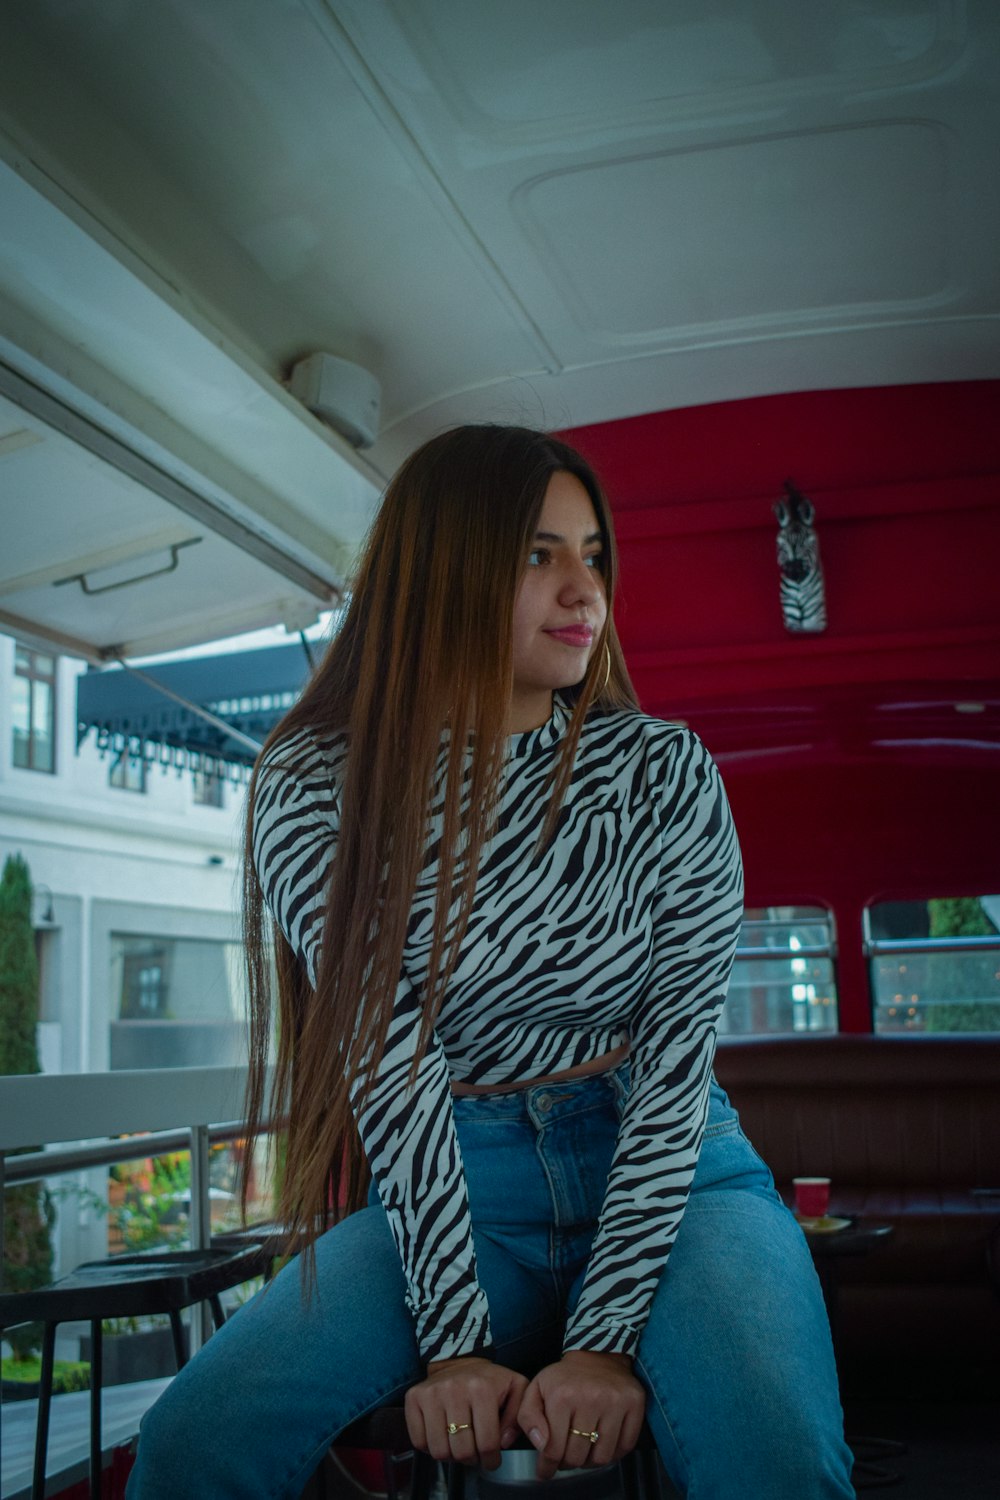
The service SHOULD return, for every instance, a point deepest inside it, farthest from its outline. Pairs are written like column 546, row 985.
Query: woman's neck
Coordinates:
column 529, row 709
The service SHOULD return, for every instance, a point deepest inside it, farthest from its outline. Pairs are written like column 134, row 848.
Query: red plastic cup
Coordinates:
column 812, row 1196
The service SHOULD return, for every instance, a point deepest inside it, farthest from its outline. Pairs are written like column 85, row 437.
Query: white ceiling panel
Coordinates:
column 529, row 71
column 302, row 216
column 860, row 227
column 558, row 213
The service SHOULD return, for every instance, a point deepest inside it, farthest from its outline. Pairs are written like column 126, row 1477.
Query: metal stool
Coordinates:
column 124, row 1286
column 384, row 1430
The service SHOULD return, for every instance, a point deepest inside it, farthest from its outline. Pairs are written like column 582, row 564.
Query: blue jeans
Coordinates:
column 736, row 1356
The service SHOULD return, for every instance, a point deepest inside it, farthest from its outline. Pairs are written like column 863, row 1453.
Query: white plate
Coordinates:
column 826, row 1225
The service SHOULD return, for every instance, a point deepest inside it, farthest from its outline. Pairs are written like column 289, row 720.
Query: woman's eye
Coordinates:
column 540, row 557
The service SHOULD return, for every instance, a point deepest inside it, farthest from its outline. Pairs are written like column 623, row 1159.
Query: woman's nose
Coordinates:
column 583, row 585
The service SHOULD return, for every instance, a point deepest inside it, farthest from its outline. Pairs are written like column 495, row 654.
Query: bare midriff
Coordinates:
column 602, row 1064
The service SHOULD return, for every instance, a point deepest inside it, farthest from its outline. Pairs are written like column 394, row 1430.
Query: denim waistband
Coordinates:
column 543, row 1100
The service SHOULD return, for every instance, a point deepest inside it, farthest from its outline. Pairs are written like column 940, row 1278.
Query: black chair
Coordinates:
column 124, row 1286
column 384, row 1430
column 272, row 1242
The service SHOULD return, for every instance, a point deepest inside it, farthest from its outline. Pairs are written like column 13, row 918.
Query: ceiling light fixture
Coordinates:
column 345, row 396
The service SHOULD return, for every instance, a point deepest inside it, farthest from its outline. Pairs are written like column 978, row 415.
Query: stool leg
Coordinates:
column 178, row 1333
column 44, row 1408
column 416, row 1484
column 649, row 1460
column 96, row 1374
column 389, row 1476
column 422, row 1476
column 631, row 1477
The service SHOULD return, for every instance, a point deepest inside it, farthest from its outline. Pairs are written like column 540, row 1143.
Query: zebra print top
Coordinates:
column 623, row 930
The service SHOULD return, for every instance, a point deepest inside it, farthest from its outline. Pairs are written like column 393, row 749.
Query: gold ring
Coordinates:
column 454, row 1427
column 590, row 1436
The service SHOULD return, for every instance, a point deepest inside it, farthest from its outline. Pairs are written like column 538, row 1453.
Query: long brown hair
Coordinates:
column 425, row 647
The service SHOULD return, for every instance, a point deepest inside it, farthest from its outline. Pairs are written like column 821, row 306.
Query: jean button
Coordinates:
column 544, row 1102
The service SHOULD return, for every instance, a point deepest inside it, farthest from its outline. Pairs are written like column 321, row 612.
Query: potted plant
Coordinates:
column 134, row 1349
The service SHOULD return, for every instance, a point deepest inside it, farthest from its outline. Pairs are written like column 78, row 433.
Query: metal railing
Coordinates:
column 85, row 1120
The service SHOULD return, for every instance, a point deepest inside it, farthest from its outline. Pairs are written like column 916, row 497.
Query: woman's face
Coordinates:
column 560, row 608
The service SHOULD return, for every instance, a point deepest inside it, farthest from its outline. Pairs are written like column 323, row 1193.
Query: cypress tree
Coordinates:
column 28, row 1210
column 18, row 971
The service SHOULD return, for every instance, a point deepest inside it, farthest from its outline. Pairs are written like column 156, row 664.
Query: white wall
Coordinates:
column 114, row 861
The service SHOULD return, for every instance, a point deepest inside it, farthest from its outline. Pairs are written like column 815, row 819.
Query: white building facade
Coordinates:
column 136, row 877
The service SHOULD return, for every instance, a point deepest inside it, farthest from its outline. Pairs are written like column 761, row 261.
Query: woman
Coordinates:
column 506, row 905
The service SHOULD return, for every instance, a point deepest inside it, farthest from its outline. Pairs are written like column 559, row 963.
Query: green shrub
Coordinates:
column 68, row 1374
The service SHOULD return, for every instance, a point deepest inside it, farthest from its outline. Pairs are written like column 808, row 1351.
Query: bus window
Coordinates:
column 783, row 979
column 935, row 964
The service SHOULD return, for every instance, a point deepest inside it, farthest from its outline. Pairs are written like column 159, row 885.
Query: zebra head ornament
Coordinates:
column 803, row 597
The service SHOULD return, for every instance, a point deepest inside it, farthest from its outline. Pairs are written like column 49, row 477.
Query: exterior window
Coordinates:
column 935, row 965
column 144, row 986
column 128, row 773
column 783, row 979
column 209, row 789
column 179, row 1002
column 34, row 710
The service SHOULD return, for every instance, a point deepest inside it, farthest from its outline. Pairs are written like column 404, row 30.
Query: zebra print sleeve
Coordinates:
column 408, row 1132
column 696, row 916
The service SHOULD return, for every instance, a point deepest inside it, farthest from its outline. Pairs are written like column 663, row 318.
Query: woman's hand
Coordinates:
column 589, row 1392
column 473, row 1393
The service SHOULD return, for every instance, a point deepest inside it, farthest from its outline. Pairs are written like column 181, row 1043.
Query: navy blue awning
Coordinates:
column 230, row 704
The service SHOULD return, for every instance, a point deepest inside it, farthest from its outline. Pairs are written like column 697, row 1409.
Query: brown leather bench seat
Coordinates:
column 939, row 1236
column 908, row 1130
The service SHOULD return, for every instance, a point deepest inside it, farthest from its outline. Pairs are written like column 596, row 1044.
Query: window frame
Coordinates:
column 50, row 679
column 874, row 948
column 828, row 951
column 208, row 788
column 124, row 761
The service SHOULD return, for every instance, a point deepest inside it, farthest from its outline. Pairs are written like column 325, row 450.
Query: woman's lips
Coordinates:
column 573, row 635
